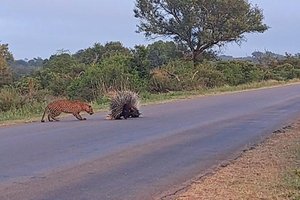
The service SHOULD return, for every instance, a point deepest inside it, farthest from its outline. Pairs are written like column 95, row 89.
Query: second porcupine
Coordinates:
column 124, row 104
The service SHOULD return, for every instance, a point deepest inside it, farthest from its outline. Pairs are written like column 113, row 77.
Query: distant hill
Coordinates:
column 256, row 57
column 23, row 68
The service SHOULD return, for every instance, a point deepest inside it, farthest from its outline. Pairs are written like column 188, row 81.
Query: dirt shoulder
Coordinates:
column 269, row 171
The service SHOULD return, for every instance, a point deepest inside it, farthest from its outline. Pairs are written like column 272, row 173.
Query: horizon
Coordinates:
column 39, row 29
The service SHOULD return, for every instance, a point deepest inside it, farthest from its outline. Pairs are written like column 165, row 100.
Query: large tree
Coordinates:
column 199, row 24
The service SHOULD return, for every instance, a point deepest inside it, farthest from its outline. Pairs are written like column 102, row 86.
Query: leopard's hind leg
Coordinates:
column 53, row 115
column 49, row 118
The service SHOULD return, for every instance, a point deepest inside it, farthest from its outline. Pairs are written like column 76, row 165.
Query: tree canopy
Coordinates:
column 199, row 24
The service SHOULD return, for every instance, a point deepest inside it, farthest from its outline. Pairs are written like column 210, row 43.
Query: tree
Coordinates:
column 58, row 72
column 94, row 55
column 113, row 73
column 266, row 59
column 91, row 55
column 113, row 48
column 5, row 71
column 36, row 62
column 160, row 53
column 140, row 61
column 199, row 24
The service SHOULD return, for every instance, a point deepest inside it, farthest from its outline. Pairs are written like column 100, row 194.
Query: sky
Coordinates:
column 39, row 28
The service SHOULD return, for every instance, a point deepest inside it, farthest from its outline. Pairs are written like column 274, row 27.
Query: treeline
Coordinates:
column 91, row 73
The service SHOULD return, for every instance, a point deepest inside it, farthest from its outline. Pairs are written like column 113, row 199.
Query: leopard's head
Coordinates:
column 88, row 108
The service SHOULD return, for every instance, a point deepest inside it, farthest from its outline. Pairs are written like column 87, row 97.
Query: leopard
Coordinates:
column 55, row 108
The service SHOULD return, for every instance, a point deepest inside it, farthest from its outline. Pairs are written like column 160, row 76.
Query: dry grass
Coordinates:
column 267, row 172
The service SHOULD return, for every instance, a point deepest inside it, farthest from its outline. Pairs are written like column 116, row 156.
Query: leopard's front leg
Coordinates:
column 78, row 116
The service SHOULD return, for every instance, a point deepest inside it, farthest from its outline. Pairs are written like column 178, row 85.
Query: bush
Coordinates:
column 207, row 76
column 180, row 75
column 239, row 72
column 285, row 72
column 10, row 98
column 113, row 73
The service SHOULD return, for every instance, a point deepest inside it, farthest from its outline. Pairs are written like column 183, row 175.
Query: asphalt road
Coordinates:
column 143, row 158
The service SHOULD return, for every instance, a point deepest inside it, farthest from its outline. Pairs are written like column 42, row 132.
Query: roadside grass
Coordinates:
column 26, row 113
column 270, row 170
column 33, row 112
column 293, row 184
column 292, row 177
column 149, row 98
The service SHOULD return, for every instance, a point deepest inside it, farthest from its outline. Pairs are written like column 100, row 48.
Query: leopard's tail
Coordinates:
column 46, row 109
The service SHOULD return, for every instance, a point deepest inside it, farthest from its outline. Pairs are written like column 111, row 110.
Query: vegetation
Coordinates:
column 199, row 24
column 162, row 68
column 158, row 71
column 5, row 71
column 292, row 180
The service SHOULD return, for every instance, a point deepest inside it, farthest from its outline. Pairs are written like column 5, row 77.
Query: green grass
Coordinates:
column 292, row 177
column 26, row 113
column 148, row 98
column 292, row 183
column 34, row 112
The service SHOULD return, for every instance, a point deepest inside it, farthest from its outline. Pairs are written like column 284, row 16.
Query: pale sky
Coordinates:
column 38, row 28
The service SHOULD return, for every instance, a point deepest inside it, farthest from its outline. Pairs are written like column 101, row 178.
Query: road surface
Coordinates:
column 144, row 158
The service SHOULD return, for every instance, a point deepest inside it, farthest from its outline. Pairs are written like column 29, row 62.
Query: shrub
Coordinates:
column 239, row 72
column 180, row 75
column 113, row 73
column 285, row 72
column 10, row 98
column 206, row 76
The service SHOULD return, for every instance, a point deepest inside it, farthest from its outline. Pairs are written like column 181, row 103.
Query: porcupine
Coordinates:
column 124, row 104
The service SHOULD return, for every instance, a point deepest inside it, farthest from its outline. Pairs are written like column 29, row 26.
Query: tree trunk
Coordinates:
column 195, row 54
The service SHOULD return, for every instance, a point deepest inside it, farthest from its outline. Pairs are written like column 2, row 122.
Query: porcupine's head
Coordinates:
column 124, row 104
column 129, row 111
